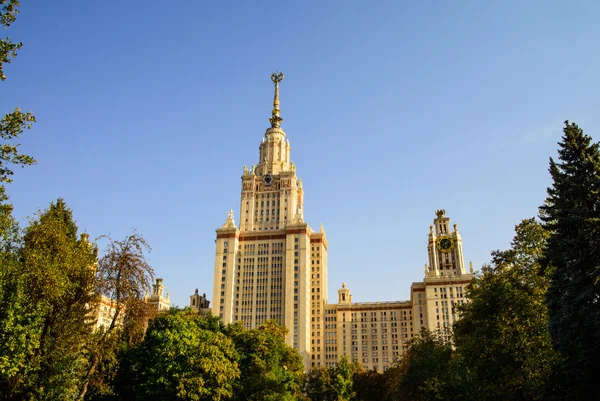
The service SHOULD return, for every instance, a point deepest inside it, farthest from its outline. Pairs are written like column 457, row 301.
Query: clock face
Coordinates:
column 268, row 180
column 445, row 244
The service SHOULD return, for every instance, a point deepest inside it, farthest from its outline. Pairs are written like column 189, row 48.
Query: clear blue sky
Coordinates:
column 147, row 112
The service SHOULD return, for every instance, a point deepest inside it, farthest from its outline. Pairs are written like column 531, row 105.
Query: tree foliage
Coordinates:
column 334, row 383
column 123, row 275
column 181, row 357
column 19, row 329
column 8, row 14
column 270, row 369
column 50, row 289
column 319, row 386
column 426, row 372
column 502, row 336
column 571, row 214
column 370, row 385
column 13, row 124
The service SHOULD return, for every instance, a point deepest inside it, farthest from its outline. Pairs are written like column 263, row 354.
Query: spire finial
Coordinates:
column 276, row 119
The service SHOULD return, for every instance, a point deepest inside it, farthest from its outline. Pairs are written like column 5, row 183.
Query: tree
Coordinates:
column 270, row 369
column 17, row 338
column 181, row 357
column 502, row 336
column 343, row 379
column 370, row 385
column 51, row 287
column 19, row 328
column 426, row 372
column 12, row 124
column 333, row 383
column 319, row 384
column 123, row 276
column 571, row 214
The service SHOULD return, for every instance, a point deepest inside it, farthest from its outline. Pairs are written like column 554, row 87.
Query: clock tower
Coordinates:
column 444, row 248
column 273, row 265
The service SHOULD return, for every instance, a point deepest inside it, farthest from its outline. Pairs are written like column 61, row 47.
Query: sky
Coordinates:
column 147, row 112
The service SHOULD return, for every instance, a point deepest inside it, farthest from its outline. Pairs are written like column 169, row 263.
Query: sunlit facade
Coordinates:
column 273, row 265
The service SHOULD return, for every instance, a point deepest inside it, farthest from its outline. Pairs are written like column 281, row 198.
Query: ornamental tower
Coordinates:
column 273, row 265
column 445, row 278
column 444, row 248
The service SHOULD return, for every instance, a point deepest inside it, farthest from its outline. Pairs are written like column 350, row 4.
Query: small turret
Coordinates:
column 157, row 298
column 199, row 303
column 344, row 296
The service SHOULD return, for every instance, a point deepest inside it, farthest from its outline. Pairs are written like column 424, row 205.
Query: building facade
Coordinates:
column 105, row 310
column 376, row 333
column 274, row 266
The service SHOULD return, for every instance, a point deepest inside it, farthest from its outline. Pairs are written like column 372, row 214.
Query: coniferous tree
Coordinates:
column 571, row 214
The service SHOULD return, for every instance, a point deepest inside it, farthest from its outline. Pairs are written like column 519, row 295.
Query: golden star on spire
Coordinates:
column 275, row 118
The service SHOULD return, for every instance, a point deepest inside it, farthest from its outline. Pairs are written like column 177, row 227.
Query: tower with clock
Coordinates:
column 272, row 266
column 444, row 248
column 445, row 276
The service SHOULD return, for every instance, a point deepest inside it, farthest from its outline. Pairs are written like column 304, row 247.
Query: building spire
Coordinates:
column 275, row 118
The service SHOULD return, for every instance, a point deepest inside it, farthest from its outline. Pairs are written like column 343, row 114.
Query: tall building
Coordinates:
column 274, row 266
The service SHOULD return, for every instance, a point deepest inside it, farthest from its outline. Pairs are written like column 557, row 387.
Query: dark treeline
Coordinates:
column 530, row 332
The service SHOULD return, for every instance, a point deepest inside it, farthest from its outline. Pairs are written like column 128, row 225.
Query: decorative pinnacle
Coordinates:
column 275, row 118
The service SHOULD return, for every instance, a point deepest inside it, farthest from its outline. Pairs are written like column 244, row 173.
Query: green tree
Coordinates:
column 502, row 335
column 270, row 369
column 571, row 214
column 343, row 379
column 333, row 383
column 19, row 327
column 18, row 336
column 427, row 371
column 51, row 287
column 319, row 384
column 181, row 357
column 370, row 385
column 12, row 124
